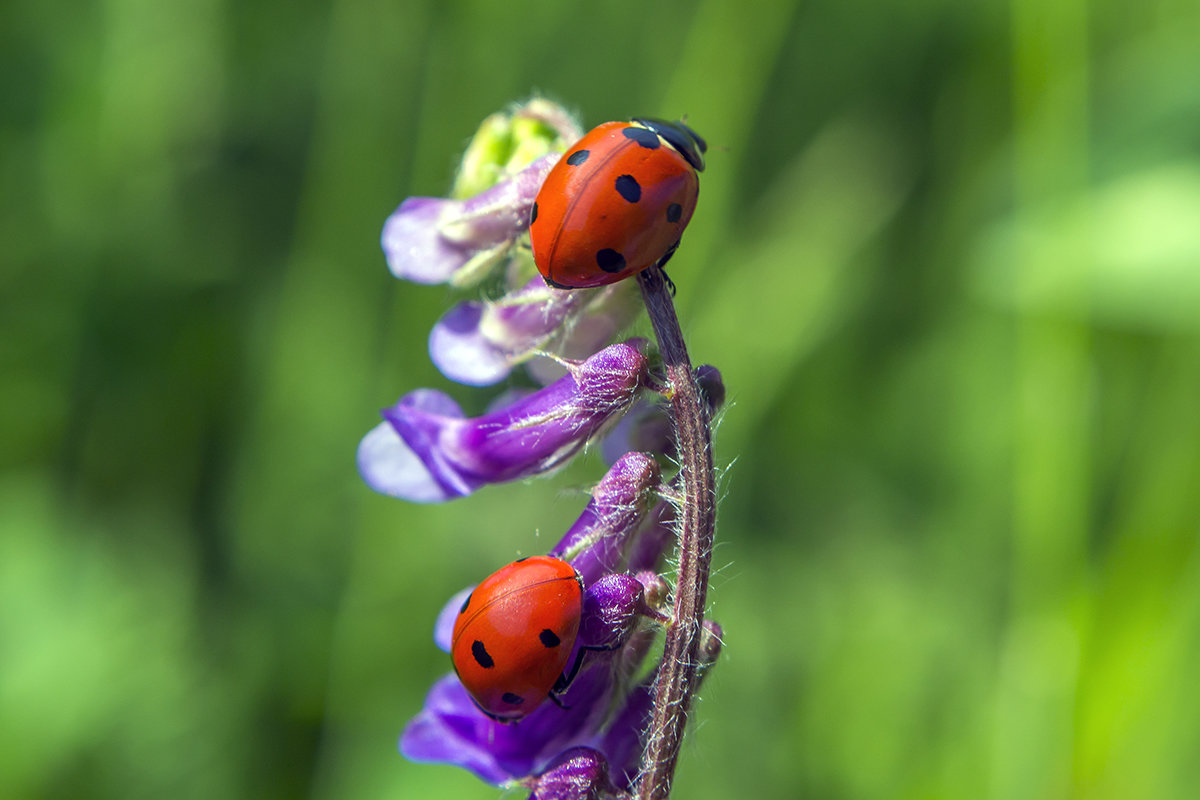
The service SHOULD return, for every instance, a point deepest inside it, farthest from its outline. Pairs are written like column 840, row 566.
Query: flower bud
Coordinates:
column 711, row 642
column 612, row 609
column 599, row 540
column 580, row 773
column 508, row 141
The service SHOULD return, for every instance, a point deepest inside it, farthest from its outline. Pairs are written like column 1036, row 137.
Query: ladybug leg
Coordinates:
column 662, row 265
column 564, row 681
column 567, row 678
column 662, row 262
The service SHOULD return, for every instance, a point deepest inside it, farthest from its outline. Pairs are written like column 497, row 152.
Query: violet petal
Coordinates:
column 450, row 729
column 430, row 455
column 443, row 628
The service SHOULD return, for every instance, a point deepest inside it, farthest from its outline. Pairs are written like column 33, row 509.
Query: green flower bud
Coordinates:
column 509, row 141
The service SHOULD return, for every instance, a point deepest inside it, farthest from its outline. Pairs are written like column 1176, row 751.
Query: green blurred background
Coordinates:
column 947, row 256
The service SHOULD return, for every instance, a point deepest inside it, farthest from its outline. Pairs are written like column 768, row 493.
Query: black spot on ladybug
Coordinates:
column 519, row 560
column 674, row 212
column 481, row 655
column 610, row 260
column 466, row 603
column 578, row 157
column 643, row 136
column 549, row 639
column 627, row 187
column 512, row 699
column 533, row 214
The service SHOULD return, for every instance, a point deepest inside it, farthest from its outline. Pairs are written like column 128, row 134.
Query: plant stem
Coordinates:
column 677, row 680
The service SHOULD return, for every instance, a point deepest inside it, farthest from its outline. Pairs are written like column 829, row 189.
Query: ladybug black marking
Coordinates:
column 643, row 136
column 482, row 657
column 467, row 602
column 549, row 638
column 610, row 260
column 629, row 188
column 674, row 212
column 677, row 134
column 512, row 699
column 578, row 157
column 533, row 214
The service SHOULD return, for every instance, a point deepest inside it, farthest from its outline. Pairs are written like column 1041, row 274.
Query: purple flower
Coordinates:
column 450, row 728
column 478, row 343
column 435, row 240
column 599, row 712
column 427, row 451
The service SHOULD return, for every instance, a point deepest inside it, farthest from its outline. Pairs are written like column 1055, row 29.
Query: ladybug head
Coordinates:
column 681, row 137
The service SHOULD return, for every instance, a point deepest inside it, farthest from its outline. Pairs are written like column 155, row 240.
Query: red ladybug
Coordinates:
column 616, row 202
column 514, row 635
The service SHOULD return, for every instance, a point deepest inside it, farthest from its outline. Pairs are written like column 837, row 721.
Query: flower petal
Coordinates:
column 478, row 343
column 432, row 453
column 391, row 465
column 432, row 239
column 459, row 348
column 414, row 248
column 450, row 729
column 443, row 628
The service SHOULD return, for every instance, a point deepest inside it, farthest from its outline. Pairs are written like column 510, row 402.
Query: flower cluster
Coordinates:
column 580, row 387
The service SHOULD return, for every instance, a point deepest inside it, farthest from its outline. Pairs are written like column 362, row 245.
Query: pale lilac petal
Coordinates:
column 443, row 628
column 431, row 239
column 392, row 465
column 415, row 249
column 609, row 310
column 478, row 343
column 462, row 352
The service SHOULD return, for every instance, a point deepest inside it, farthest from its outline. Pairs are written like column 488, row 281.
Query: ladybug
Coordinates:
column 616, row 202
column 514, row 635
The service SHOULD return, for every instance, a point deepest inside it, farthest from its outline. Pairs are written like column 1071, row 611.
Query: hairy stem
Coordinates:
column 677, row 679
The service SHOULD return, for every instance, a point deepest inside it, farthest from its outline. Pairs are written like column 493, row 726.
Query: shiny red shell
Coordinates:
column 514, row 635
column 615, row 203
